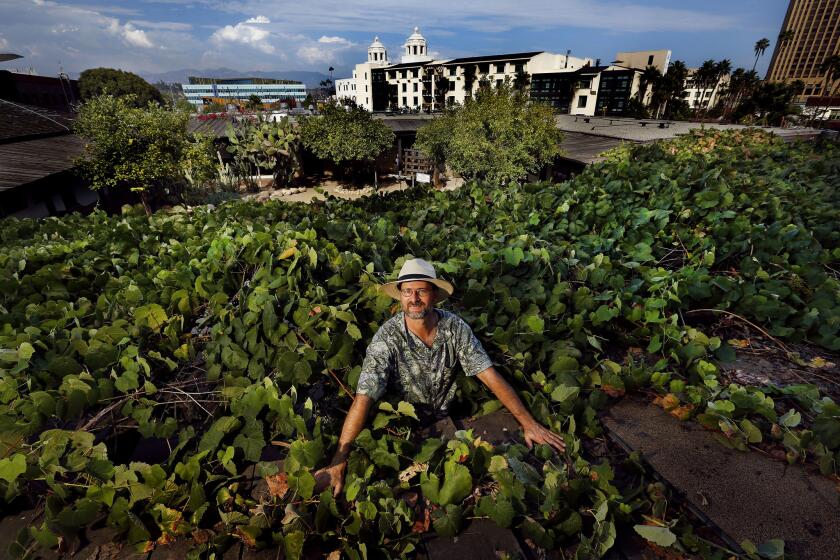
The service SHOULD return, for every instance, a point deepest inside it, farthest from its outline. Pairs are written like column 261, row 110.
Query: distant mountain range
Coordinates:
column 311, row 79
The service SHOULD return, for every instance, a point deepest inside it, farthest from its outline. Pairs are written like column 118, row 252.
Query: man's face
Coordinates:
column 417, row 298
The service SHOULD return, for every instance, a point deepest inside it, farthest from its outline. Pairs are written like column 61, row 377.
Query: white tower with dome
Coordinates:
column 415, row 48
column 377, row 53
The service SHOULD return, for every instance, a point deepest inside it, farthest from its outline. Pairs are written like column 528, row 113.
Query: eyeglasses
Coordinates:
column 422, row 292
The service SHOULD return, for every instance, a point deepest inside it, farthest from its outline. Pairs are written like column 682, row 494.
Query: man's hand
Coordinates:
column 331, row 476
column 536, row 433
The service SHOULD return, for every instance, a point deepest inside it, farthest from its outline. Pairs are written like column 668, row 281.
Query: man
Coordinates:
column 414, row 353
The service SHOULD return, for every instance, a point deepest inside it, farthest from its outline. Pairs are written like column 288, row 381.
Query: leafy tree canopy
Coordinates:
column 497, row 136
column 348, row 135
column 131, row 147
column 119, row 83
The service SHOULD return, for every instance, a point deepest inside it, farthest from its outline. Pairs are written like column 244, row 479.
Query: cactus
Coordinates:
column 273, row 146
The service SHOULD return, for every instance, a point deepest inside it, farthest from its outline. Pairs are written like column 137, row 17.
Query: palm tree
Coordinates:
column 785, row 37
column 830, row 68
column 703, row 78
column 649, row 77
column 760, row 46
column 669, row 89
column 722, row 70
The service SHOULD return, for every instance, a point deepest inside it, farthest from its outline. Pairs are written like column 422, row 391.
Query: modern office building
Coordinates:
column 810, row 34
column 201, row 90
column 570, row 84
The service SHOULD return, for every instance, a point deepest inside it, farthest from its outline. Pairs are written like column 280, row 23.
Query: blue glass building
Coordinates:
column 199, row 90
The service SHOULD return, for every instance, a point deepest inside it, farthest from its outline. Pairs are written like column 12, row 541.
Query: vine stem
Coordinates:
column 343, row 386
column 93, row 421
column 750, row 323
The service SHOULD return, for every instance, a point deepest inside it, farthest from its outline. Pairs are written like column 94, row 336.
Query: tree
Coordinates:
column 254, row 102
column 785, row 37
column 327, row 87
column 100, row 81
column 647, row 80
column 768, row 104
column 496, row 137
column 522, row 81
column 668, row 92
column 129, row 147
column 742, row 84
column 760, row 46
column 703, row 78
column 830, row 69
column 350, row 137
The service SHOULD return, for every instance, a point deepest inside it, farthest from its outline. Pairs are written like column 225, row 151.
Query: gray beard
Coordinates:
column 417, row 314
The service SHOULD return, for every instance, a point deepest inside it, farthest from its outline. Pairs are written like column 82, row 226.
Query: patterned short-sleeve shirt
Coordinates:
column 397, row 360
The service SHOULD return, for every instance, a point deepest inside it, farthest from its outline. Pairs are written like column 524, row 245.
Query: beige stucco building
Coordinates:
column 577, row 85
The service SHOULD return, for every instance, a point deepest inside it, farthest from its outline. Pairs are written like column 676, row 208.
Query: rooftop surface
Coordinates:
column 30, row 160
column 746, row 494
column 631, row 129
column 23, row 122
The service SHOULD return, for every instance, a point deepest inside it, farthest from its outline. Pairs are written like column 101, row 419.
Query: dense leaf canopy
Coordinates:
column 220, row 330
column 138, row 148
column 498, row 137
column 348, row 134
column 119, row 83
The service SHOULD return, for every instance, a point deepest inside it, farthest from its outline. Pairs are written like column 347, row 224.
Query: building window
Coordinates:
column 519, row 67
column 500, row 68
column 582, row 100
column 650, row 60
column 416, row 72
column 415, row 49
column 415, row 86
column 484, row 68
column 366, row 88
column 405, row 101
column 452, row 70
column 415, row 102
column 499, row 83
column 404, row 87
column 451, row 85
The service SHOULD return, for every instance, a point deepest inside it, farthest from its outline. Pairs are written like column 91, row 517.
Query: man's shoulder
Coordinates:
column 390, row 328
column 452, row 319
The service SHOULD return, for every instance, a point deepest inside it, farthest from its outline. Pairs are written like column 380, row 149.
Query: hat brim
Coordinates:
column 446, row 288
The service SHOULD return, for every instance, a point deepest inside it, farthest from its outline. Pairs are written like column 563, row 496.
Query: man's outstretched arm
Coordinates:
column 534, row 432
column 333, row 474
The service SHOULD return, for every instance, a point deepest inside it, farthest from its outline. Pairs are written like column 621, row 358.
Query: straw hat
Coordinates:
column 417, row 270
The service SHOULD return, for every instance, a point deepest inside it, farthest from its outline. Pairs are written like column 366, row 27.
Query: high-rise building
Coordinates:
column 810, row 33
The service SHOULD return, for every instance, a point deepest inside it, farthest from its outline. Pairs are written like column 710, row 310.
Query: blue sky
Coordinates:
column 162, row 35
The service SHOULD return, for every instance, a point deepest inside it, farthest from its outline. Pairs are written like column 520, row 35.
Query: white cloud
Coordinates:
column 334, row 40
column 4, row 44
column 245, row 34
column 64, row 28
column 490, row 16
column 136, row 37
column 258, row 19
column 75, row 37
column 165, row 25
